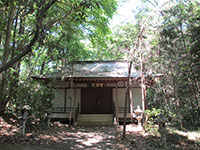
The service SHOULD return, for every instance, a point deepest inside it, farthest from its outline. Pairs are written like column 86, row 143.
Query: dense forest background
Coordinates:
column 38, row 37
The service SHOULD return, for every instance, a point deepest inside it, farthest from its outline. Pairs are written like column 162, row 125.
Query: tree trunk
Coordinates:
column 4, row 85
column 14, row 76
column 137, row 42
column 143, row 87
column 40, row 16
column 177, row 101
column 7, row 64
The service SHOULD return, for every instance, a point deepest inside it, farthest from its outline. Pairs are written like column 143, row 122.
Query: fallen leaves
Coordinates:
column 148, row 141
column 59, row 133
column 10, row 133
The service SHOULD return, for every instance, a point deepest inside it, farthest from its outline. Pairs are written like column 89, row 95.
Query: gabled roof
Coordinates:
column 93, row 69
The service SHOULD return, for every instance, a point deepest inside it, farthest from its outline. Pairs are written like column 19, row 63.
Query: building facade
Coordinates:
column 93, row 92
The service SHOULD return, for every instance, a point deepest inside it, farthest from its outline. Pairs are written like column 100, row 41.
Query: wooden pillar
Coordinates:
column 125, row 109
column 116, row 102
column 131, row 101
column 70, row 99
column 74, row 109
column 65, row 100
column 71, row 90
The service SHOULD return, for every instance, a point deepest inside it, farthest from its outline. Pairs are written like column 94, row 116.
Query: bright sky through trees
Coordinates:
column 125, row 12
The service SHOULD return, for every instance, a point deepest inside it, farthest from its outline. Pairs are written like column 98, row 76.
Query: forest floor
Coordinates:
column 61, row 136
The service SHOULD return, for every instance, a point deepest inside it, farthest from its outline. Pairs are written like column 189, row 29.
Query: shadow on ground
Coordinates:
column 86, row 138
column 174, row 141
column 62, row 137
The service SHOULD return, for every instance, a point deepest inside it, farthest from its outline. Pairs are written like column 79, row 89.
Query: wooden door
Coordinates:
column 96, row 101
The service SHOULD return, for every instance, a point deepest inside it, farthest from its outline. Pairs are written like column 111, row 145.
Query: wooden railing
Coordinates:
column 67, row 109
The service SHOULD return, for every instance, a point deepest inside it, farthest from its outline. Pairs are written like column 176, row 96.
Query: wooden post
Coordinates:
column 25, row 116
column 127, row 96
column 65, row 100
column 70, row 109
column 116, row 102
column 125, row 111
column 131, row 101
column 71, row 90
column 74, row 110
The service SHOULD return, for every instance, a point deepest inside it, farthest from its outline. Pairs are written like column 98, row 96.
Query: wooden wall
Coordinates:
column 64, row 91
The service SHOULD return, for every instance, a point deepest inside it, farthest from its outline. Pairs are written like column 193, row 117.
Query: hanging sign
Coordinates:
column 97, row 84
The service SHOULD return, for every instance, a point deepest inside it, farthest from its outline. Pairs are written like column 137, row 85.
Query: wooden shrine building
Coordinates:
column 93, row 92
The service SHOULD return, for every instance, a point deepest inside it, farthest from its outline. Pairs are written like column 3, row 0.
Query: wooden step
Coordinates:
column 95, row 120
column 60, row 115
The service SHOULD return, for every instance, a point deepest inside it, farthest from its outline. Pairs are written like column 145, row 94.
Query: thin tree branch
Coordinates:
column 39, row 18
column 139, row 38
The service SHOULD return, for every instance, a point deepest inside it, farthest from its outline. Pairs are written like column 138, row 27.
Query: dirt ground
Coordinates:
column 21, row 147
column 98, row 138
column 92, row 138
column 57, row 136
column 62, row 137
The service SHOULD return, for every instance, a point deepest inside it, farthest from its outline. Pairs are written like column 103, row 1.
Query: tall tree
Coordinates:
column 48, row 32
column 175, row 58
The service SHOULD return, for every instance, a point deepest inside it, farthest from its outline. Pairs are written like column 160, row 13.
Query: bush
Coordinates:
column 191, row 116
column 153, row 113
column 36, row 95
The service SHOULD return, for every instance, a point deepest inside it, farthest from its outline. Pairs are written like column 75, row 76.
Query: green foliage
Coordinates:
column 190, row 116
column 50, row 34
column 176, row 55
column 122, row 41
column 78, row 30
column 153, row 113
column 37, row 96
column 189, row 112
column 66, row 29
column 82, row 35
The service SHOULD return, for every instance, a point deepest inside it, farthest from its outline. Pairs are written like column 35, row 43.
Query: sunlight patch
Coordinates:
column 190, row 135
column 90, row 140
